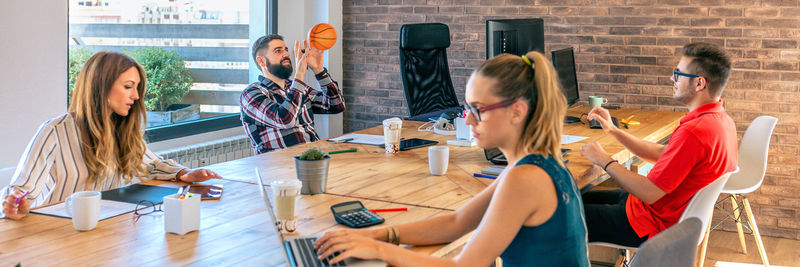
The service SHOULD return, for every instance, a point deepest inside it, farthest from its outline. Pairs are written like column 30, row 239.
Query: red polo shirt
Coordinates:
column 700, row 150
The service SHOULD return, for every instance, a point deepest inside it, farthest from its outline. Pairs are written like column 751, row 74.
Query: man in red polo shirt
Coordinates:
column 700, row 150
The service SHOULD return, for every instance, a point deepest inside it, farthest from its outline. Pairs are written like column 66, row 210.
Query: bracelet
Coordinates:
column 392, row 237
column 609, row 163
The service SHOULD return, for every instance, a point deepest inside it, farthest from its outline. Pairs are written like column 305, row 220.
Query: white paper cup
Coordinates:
column 84, row 208
column 438, row 156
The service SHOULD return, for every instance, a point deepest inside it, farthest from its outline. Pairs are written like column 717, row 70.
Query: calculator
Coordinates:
column 354, row 215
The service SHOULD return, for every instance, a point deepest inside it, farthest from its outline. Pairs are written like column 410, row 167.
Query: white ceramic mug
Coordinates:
column 438, row 156
column 596, row 101
column 84, row 208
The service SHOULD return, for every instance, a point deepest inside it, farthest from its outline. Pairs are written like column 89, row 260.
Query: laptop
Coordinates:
column 299, row 250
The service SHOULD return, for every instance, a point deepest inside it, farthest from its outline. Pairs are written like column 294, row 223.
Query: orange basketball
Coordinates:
column 322, row 36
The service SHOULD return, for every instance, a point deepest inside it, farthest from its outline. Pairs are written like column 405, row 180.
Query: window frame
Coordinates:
column 195, row 127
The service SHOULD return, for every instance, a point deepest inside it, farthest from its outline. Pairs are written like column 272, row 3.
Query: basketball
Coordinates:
column 322, row 36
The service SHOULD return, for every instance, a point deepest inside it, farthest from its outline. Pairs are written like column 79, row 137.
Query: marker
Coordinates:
column 484, row 176
column 185, row 191
column 19, row 199
column 342, row 151
column 388, row 210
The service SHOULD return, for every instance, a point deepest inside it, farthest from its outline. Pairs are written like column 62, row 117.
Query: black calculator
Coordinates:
column 354, row 215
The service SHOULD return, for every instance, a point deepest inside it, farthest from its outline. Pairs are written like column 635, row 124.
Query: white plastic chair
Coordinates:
column 701, row 206
column 5, row 176
column 753, row 152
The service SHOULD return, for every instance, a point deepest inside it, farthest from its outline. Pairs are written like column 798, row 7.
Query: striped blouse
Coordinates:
column 52, row 167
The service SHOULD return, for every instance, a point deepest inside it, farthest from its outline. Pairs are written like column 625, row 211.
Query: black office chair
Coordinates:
column 424, row 69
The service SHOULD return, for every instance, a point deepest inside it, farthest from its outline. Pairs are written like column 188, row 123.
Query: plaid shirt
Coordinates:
column 277, row 118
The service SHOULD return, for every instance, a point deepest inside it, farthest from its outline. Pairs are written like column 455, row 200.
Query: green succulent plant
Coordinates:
column 313, row 154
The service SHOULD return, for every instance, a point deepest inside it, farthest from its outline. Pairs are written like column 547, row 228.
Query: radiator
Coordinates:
column 207, row 153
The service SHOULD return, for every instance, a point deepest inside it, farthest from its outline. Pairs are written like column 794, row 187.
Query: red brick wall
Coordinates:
column 625, row 50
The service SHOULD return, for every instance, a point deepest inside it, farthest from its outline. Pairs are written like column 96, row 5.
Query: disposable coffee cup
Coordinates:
column 84, row 208
column 284, row 195
column 391, row 134
column 438, row 156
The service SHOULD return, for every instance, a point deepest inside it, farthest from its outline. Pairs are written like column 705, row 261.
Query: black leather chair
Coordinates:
column 423, row 67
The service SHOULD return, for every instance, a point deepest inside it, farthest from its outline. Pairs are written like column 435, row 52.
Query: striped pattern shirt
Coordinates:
column 52, row 167
column 276, row 118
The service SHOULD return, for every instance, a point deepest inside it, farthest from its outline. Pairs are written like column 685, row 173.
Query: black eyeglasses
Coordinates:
column 145, row 207
column 476, row 112
column 678, row 73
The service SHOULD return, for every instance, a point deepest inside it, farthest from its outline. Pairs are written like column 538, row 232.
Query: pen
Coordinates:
column 343, row 141
column 343, row 151
column 19, row 199
column 484, row 176
column 387, row 210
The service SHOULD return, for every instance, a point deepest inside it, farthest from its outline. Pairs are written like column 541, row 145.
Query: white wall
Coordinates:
column 33, row 71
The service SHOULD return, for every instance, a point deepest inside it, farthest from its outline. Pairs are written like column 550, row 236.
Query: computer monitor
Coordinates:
column 564, row 63
column 514, row 36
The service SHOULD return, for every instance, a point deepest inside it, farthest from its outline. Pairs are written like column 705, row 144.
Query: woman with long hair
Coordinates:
column 97, row 145
column 531, row 215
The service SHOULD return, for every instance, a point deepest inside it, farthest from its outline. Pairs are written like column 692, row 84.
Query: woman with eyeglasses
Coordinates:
column 98, row 145
column 531, row 215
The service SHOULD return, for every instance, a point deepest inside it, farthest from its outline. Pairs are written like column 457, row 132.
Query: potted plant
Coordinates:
column 168, row 80
column 312, row 170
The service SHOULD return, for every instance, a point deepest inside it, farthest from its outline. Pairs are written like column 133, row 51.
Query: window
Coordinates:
column 210, row 36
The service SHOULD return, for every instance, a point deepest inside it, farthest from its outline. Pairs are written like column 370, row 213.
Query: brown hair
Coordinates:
column 537, row 84
column 711, row 62
column 110, row 144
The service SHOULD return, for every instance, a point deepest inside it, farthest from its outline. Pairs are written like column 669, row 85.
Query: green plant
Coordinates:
column 313, row 154
column 168, row 79
column 77, row 57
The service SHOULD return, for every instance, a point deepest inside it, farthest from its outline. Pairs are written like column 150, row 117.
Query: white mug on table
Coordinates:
column 438, row 156
column 84, row 208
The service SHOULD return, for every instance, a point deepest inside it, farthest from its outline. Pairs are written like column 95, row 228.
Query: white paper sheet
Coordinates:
column 108, row 209
column 569, row 139
column 367, row 139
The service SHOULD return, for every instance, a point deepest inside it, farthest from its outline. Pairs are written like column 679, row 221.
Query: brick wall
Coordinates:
column 625, row 50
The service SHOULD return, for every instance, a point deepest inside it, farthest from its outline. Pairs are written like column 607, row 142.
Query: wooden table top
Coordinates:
column 404, row 177
column 233, row 230
column 237, row 229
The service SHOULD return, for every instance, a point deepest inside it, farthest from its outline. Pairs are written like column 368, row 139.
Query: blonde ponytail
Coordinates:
column 532, row 78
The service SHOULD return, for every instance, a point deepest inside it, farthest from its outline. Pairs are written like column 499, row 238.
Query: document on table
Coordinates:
column 569, row 139
column 366, row 139
column 108, row 209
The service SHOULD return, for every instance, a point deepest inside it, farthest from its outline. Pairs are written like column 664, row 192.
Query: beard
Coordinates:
column 684, row 95
column 279, row 70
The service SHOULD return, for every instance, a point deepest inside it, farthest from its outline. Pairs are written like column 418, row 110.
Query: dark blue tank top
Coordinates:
column 561, row 240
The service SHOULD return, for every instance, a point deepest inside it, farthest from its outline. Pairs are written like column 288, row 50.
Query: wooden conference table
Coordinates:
column 237, row 229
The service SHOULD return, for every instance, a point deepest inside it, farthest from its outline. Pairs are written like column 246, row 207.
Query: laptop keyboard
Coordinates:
column 308, row 255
